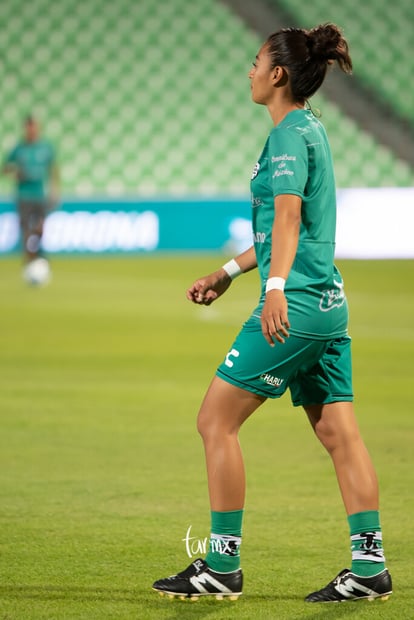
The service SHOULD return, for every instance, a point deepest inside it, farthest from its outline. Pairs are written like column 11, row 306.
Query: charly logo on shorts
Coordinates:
column 332, row 298
column 233, row 353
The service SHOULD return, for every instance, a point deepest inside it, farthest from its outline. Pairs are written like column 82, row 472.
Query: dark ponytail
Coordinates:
column 306, row 54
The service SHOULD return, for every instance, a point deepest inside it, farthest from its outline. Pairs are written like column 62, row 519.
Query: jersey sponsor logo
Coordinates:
column 332, row 298
column 271, row 380
column 284, row 157
column 233, row 353
column 255, row 171
column 281, row 173
column 259, row 237
column 281, row 160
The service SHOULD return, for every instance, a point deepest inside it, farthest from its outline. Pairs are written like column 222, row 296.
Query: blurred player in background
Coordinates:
column 32, row 165
column 297, row 337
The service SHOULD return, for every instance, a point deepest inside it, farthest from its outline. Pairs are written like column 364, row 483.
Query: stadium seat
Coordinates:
column 146, row 98
column 380, row 34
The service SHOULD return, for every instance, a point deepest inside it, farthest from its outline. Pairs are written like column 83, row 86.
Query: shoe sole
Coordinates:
column 370, row 599
column 219, row 596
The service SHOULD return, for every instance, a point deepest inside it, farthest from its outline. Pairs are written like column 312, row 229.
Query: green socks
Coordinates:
column 366, row 543
column 225, row 541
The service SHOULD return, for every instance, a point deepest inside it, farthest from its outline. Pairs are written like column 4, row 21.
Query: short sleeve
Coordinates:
column 288, row 159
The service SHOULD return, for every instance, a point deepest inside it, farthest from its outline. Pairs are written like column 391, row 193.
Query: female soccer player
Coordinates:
column 297, row 336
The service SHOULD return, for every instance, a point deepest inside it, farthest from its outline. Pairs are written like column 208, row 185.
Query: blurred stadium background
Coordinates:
column 149, row 107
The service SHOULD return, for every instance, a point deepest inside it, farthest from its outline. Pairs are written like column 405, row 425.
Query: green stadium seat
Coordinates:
column 145, row 98
column 381, row 38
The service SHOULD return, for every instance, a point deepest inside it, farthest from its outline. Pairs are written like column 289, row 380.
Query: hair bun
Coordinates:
column 323, row 42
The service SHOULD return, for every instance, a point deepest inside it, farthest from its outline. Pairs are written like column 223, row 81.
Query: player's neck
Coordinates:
column 278, row 110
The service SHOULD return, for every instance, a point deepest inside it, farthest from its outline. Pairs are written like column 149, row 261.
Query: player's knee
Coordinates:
column 213, row 428
column 204, row 426
column 328, row 439
column 334, row 437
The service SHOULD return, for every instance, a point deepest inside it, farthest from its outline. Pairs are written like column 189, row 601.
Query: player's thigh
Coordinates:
column 329, row 380
column 225, row 407
column 253, row 365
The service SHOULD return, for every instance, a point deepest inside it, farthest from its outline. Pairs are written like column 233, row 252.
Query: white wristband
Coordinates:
column 276, row 283
column 232, row 269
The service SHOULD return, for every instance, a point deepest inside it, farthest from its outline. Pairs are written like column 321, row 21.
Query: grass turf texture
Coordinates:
column 102, row 471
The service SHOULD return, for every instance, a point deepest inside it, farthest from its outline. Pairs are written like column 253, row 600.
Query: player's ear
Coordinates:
column 279, row 76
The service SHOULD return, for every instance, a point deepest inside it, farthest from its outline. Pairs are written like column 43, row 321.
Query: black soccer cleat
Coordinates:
column 350, row 587
column 199, row 580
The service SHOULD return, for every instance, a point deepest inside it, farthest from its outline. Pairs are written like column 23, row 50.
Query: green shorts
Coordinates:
column 32, row 215
column 315, row 371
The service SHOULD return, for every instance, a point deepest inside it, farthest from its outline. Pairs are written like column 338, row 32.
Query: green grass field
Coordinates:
column 102, row 471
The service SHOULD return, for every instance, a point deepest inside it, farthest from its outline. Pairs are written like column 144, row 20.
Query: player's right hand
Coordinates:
column 207, row 289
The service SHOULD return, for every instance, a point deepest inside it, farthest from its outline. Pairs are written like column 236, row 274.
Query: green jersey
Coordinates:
column 296, row 159
column 33, row 161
